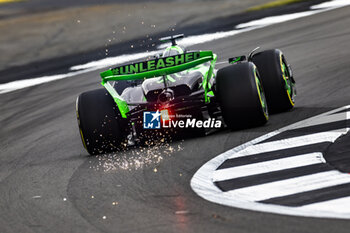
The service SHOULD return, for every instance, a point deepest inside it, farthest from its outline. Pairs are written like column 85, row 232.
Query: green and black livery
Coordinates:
column 240, row 94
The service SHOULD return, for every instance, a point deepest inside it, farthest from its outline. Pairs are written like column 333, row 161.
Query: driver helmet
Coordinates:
column 173, row 50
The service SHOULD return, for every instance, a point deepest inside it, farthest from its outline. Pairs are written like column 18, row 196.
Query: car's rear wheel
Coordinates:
column 277, row 80
column 100, row 124
column 241, row 96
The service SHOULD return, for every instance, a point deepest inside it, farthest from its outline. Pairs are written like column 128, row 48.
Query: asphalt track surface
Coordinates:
column 48, row 183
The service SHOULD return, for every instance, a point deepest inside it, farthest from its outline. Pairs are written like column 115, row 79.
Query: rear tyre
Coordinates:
column 277, row 80
column 241, row 96
column 100, row 124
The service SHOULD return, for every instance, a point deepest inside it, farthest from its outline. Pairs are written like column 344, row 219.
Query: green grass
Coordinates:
column 273, row 4
column 7, row 1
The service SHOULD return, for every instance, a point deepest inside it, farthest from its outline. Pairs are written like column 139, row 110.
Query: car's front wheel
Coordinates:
column 277, row 79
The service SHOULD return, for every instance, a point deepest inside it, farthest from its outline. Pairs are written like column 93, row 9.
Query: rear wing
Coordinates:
column 152, row 68
column 157, row 67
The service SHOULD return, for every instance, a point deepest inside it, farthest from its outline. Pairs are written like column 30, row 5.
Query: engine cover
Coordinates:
column 181, row 84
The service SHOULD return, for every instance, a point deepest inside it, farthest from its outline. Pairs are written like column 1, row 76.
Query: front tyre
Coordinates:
column 100, row 123
column 241, row 96
column 277, row 80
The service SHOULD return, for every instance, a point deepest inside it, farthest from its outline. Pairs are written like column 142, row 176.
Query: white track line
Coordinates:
column 273, row 19
column 246, row 198
column 327, row 119
column 291, row 186
column 268, row 166
column 341, row 204
column 188, row 41
column 329, row 136
column 332, row 4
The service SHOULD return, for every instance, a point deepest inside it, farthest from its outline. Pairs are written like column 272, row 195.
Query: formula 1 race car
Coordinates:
column 182, row 89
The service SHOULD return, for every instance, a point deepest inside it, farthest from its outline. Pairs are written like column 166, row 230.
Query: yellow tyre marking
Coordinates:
column 78, row 118
column 82, row 138
column 289, row 97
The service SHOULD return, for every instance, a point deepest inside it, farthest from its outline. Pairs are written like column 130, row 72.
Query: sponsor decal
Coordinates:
column 156, row 64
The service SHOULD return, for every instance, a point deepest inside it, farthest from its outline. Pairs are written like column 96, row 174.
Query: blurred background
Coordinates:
column 38, row 30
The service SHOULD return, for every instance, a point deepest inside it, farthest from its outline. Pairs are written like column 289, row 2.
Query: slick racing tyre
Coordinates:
column 241, row 96
column 277, row 80
column 100, row 124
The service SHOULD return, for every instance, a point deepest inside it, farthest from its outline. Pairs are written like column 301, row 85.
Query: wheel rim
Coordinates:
column 261, row 94
column 287, row 80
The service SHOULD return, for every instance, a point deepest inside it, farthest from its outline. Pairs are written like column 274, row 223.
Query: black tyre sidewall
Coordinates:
column 238, row 96
column 100, row 123
column 270, row 70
